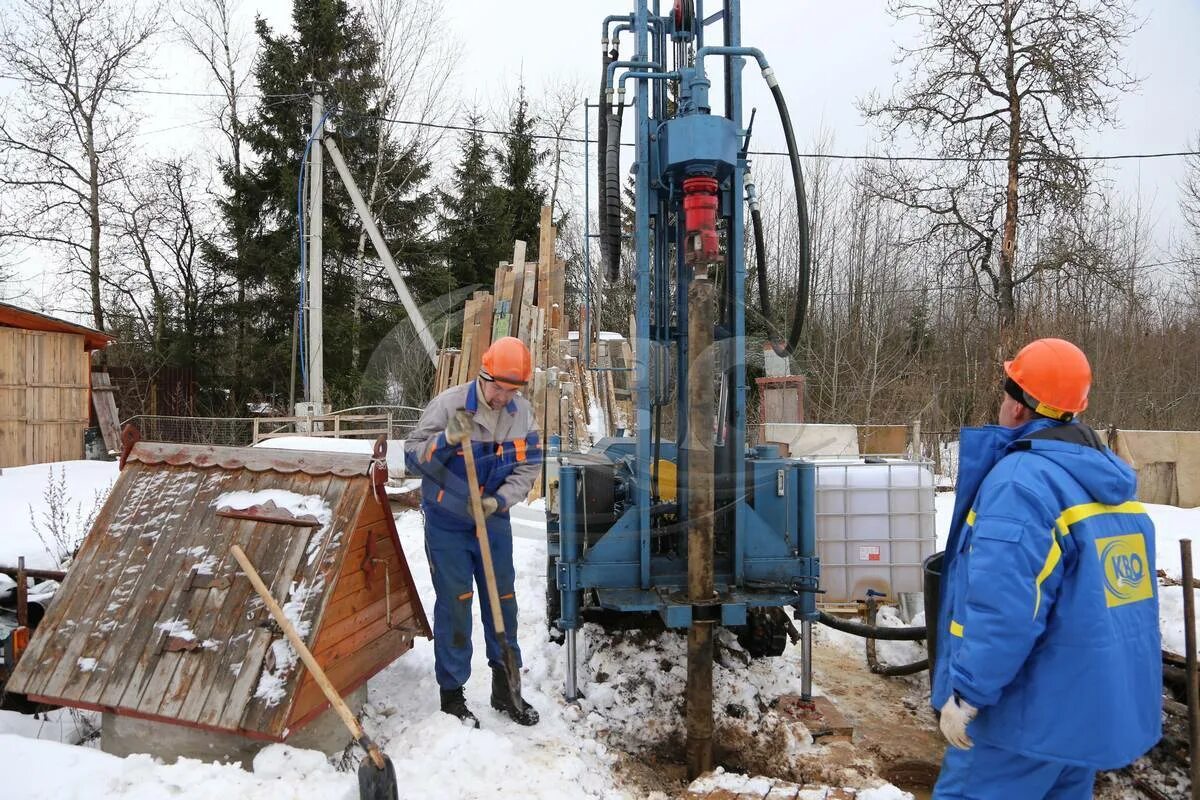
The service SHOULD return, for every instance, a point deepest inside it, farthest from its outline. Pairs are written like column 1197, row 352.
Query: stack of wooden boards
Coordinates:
column 528, row 301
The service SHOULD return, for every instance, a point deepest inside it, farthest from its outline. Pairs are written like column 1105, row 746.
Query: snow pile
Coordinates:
column 283, row 657
column 48, row 497
column 298, row 505
column 735, row 785
column 328, row 444
column 177, row 628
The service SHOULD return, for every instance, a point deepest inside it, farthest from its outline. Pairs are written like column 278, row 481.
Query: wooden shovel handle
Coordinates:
column 485, row 547
column 318, row 674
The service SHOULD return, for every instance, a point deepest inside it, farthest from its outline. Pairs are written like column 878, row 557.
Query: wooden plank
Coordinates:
column 258, row 714
column 103, row 582
column 498, row 278
column 329, row 563
column 86, row 579
column 350, row 672
column 352, row 605
column 545, row 258
column 106, row 411
column 189, row 493
column 331, row 652
column 242, row 641
column 518, row 290
column 468, row 334
column 528, row 292
column 206, row 610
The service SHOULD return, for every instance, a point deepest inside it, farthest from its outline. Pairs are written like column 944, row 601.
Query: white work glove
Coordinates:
column 956, row 713
column 490, row 506
column 459, row 429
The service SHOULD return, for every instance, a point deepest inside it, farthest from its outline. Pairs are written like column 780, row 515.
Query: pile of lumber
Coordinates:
column 528, row 301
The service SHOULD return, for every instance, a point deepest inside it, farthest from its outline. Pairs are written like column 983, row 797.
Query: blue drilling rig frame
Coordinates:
column 617, row 525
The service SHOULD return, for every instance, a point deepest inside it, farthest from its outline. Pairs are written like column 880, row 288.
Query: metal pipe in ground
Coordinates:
column 701, row 417
column 1193, row 684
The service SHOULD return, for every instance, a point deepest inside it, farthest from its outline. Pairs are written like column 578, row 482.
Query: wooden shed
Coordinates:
column 44, row 386
column 156, row 621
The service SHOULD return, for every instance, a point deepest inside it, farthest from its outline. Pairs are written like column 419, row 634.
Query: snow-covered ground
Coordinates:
column 632, row 685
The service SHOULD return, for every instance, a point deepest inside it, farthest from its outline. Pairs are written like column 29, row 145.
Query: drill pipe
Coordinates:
column 701, row 417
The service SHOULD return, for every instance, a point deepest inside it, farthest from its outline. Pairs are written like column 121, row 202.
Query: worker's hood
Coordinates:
column 1078, row 450
column 1074, row 446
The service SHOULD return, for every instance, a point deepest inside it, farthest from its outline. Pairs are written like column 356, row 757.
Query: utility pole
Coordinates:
column 316, row 201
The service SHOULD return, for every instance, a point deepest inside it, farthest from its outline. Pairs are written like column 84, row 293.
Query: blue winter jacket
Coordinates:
column 507, row 461
column 1048, row 620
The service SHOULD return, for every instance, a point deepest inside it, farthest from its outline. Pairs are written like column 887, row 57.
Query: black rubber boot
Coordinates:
column 502, row 700
column 454, row 704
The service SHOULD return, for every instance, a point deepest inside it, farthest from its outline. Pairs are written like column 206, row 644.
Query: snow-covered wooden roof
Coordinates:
column 156, row 620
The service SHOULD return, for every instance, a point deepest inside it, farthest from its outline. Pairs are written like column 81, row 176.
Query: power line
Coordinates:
column 445, row 126
column 832, row 156
column 167, row 92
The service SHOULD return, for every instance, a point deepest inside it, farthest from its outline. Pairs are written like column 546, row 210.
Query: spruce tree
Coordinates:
column 474, row 238
column 521, row 196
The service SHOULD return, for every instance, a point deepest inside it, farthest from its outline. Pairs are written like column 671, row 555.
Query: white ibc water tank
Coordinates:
column 875, row 526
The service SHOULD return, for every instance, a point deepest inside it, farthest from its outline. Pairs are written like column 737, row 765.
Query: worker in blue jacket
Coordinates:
column 488, row 415
column 1049, row 657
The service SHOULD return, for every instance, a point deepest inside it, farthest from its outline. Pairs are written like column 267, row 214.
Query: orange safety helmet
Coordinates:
column 1053, row 375
column 507, row 362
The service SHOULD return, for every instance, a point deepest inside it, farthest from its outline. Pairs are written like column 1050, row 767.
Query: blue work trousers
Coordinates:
column 457, row 568
column 989, row 773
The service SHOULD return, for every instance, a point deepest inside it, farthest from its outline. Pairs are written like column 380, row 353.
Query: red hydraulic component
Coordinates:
column 700, row 205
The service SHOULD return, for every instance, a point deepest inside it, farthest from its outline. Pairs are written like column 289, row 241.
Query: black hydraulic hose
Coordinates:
column 900, row 670
column 802, row 291
column 602, row 150
column 890, row 671
column 612, row 196
column 910, row 634
column 760, row 259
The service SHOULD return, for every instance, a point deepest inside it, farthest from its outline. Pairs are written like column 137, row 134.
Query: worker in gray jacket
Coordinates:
column 488, row 415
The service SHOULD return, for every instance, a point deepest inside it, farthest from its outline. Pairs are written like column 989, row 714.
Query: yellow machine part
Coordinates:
column 668, row 480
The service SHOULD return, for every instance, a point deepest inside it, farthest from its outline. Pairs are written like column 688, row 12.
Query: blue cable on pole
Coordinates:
column 304, row 250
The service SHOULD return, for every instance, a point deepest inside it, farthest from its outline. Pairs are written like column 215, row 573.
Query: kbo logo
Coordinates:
column 1124, row 561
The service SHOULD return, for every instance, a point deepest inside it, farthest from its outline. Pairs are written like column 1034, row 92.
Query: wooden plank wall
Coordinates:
column 355, row 637
column 528, row 300
column 43, row 396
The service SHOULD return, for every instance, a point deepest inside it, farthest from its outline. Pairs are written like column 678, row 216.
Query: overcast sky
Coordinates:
column 827, row 56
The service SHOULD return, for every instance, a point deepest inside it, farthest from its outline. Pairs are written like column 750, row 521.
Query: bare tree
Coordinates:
column 62, row 144
column 162, row 292
column 207, row 28
column 1001, row 87
column 416, row 62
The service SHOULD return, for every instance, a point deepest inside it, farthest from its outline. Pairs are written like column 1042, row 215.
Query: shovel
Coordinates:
column 376, row 774
column 511, row 671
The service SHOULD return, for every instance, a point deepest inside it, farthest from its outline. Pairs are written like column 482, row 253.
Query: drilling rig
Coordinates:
column 693, row 526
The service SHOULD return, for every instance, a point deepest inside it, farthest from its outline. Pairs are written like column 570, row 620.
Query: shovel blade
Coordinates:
column 375, row 783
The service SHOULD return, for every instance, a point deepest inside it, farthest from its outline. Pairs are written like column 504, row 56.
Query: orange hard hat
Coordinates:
column 507, row 362
column 1054, row 376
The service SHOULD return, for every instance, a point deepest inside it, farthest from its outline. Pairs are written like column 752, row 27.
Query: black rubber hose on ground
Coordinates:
column 910, row 634
column 873, row 662
column 802, row 291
